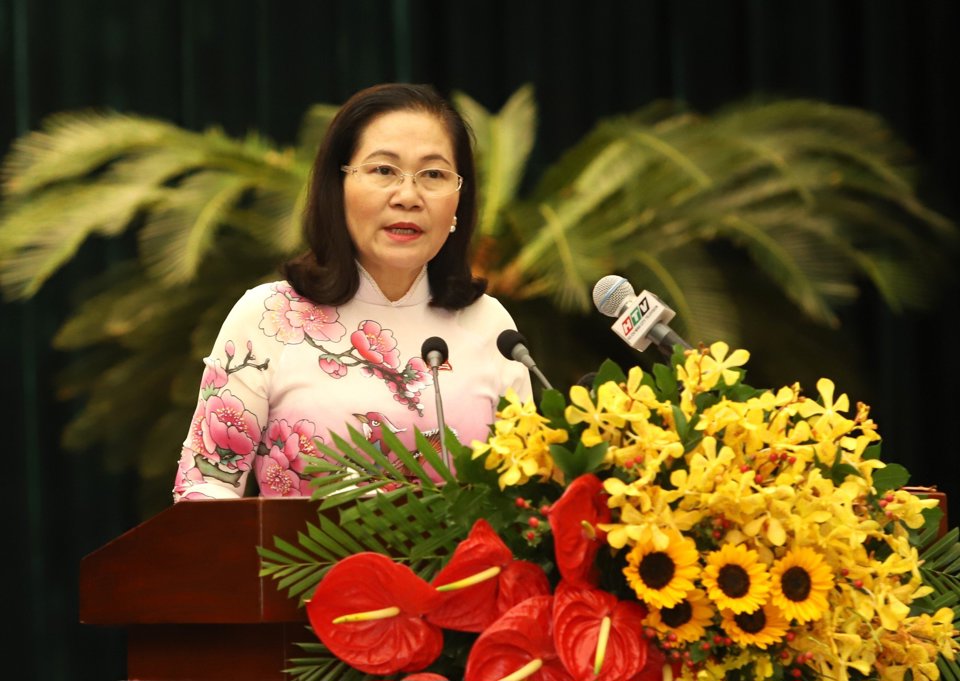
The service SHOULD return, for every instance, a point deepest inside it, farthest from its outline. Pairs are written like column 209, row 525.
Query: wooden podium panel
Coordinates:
column 185, row 586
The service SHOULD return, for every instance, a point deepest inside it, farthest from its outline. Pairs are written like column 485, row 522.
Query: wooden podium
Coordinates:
column 185, row 586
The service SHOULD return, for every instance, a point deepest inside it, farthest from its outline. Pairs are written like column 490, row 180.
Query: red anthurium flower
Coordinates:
column 369, row 612
column 425, row 676
column 597, row 636
column 653, row 669
column 482, row 581
column 518, row 646
column 573, row 519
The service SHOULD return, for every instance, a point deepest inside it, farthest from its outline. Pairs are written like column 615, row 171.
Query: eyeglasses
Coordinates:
column 430, row 181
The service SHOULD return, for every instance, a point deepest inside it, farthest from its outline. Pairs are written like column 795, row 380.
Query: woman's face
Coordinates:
column 397, row 230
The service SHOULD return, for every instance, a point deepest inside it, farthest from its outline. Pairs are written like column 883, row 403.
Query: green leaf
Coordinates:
column 609, row 371
column 582, row 460
column 432, row 457
column 891, row 476
column 553, row 405
column 666, row 382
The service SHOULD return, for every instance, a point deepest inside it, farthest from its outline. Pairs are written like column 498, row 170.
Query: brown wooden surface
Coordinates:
column 195, row 562
column 212, row 652
column 185, row 586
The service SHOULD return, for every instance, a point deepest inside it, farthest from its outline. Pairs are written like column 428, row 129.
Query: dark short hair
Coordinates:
column 327, row 272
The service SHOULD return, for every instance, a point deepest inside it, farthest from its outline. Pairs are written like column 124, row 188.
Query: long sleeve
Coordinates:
column 232, row 408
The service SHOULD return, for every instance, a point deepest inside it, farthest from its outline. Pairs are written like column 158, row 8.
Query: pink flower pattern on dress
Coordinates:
column 376, row 344
column 291, row 318
column 332, row 367
column 416, row 375
column 188, row 475
column 295, row 440
column 228, row 431
column 224, row 433
column 280, row 469
column 214, row 378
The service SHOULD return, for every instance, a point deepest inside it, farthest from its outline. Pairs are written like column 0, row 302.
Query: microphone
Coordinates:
column 434, row 352
column 513, row 345
column 641, row 320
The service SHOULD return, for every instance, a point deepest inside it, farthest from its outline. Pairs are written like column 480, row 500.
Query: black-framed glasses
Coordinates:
column 430, row 181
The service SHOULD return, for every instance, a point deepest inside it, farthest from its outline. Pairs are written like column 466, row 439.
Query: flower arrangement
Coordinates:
column 677, row 523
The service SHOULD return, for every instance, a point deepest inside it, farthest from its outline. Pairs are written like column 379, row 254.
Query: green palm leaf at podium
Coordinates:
column 816, row 201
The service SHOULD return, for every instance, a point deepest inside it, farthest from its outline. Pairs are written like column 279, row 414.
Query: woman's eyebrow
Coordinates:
column 392, row 155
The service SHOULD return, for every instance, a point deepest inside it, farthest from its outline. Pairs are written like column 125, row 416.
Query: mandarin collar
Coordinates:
column 369, row 292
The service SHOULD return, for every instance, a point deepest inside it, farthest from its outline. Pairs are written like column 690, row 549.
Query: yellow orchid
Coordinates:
column 761, row 502
column 717, row 365
column 605, row 419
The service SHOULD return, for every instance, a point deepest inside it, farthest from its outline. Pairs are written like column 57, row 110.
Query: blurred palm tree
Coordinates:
column 770, row 202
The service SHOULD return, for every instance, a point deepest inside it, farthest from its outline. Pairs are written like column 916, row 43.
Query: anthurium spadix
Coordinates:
column 598, row 636
column 369, row 611
column 482, row 581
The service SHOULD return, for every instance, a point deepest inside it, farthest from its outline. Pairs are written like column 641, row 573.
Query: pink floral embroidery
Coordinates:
column 214, row 378
column 376, row 344
column 293, row 440
column 333, row 367
column 228, row 431
column 275, row 476
column 416, row 375
column 279, row 470
column 290, row 318
column 188, row 474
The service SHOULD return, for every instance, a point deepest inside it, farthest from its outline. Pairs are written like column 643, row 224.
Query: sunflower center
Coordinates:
column 678, row 615
column 795, row 583
column 656, row 569
column 751, row 622
column 733, row 581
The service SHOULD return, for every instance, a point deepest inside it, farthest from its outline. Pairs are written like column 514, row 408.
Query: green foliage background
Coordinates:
column 245, row 65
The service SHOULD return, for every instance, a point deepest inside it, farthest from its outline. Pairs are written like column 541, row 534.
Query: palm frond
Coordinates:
column 176, row 240
column 72, row 145
column 39, row 236
column 313, row 127
column 504, row 141
column 320, row 664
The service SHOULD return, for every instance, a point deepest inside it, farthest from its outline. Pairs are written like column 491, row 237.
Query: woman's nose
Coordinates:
column 407, row 193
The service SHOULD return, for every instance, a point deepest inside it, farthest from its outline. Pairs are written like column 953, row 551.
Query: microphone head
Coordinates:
column 508, row 340
column 434, row 344
column 610, row 293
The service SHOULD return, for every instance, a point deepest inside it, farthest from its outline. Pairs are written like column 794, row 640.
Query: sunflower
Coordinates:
column 688, row 619
column 801, row 581
column 763, row 627
column 736, row 579
column 662, row 578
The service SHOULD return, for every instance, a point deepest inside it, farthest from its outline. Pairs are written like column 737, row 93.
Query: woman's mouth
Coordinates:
column 404, row 229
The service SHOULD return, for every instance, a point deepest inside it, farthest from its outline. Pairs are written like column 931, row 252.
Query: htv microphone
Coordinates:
column 641, row 320
column 513, row 345
column 434, row 352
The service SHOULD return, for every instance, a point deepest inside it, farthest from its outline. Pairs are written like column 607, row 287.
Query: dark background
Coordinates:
column 258, row 64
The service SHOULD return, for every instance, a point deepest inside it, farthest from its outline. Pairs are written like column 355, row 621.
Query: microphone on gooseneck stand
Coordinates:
column 641, row 320
column 513, row 345
column 434, row 352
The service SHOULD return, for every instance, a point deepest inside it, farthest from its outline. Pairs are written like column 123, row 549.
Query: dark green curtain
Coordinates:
column 258, row 64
